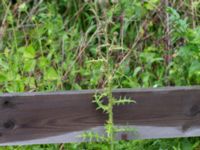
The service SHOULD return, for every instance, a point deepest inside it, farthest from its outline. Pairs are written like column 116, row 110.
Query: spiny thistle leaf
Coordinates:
column 124, row 129
column 123, row 101
column 92, row 136
column 98, row 100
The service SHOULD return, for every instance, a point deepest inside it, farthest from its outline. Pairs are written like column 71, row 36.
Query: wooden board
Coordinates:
column 34, row 118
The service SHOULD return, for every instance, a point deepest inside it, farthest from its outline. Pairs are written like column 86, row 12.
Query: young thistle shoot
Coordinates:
column 107, row 107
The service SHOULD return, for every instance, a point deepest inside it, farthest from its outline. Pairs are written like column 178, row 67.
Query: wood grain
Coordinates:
column 35, row 116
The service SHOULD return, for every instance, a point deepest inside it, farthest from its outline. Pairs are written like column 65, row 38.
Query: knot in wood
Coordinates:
column 7, row 104
column 10, row 124
column 194, row 110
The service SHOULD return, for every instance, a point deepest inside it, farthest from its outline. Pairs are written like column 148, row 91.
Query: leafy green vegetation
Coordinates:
column 63, row 44
column 161, row 144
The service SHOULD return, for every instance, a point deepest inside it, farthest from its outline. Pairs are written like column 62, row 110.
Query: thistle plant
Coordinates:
column 106, row 50
column 107, row 107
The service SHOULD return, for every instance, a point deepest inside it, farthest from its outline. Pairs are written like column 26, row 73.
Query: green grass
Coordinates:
column 52, row 46
column 161, row 144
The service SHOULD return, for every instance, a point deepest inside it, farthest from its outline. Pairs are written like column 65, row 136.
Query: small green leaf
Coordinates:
column 43, row 62
column 30, row 82
column 29, row 52
column 136, row 71
column 194, row 69
column 3, row 77
column 23, row 7
column 29, row 65
column 51, row 74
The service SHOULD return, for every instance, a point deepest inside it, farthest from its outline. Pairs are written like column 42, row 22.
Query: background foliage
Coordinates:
column 52, row 45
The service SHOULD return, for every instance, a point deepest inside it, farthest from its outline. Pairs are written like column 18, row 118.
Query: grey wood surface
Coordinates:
column 35, row 118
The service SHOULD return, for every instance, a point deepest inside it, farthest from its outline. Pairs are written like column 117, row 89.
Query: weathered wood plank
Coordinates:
column 39, row 117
